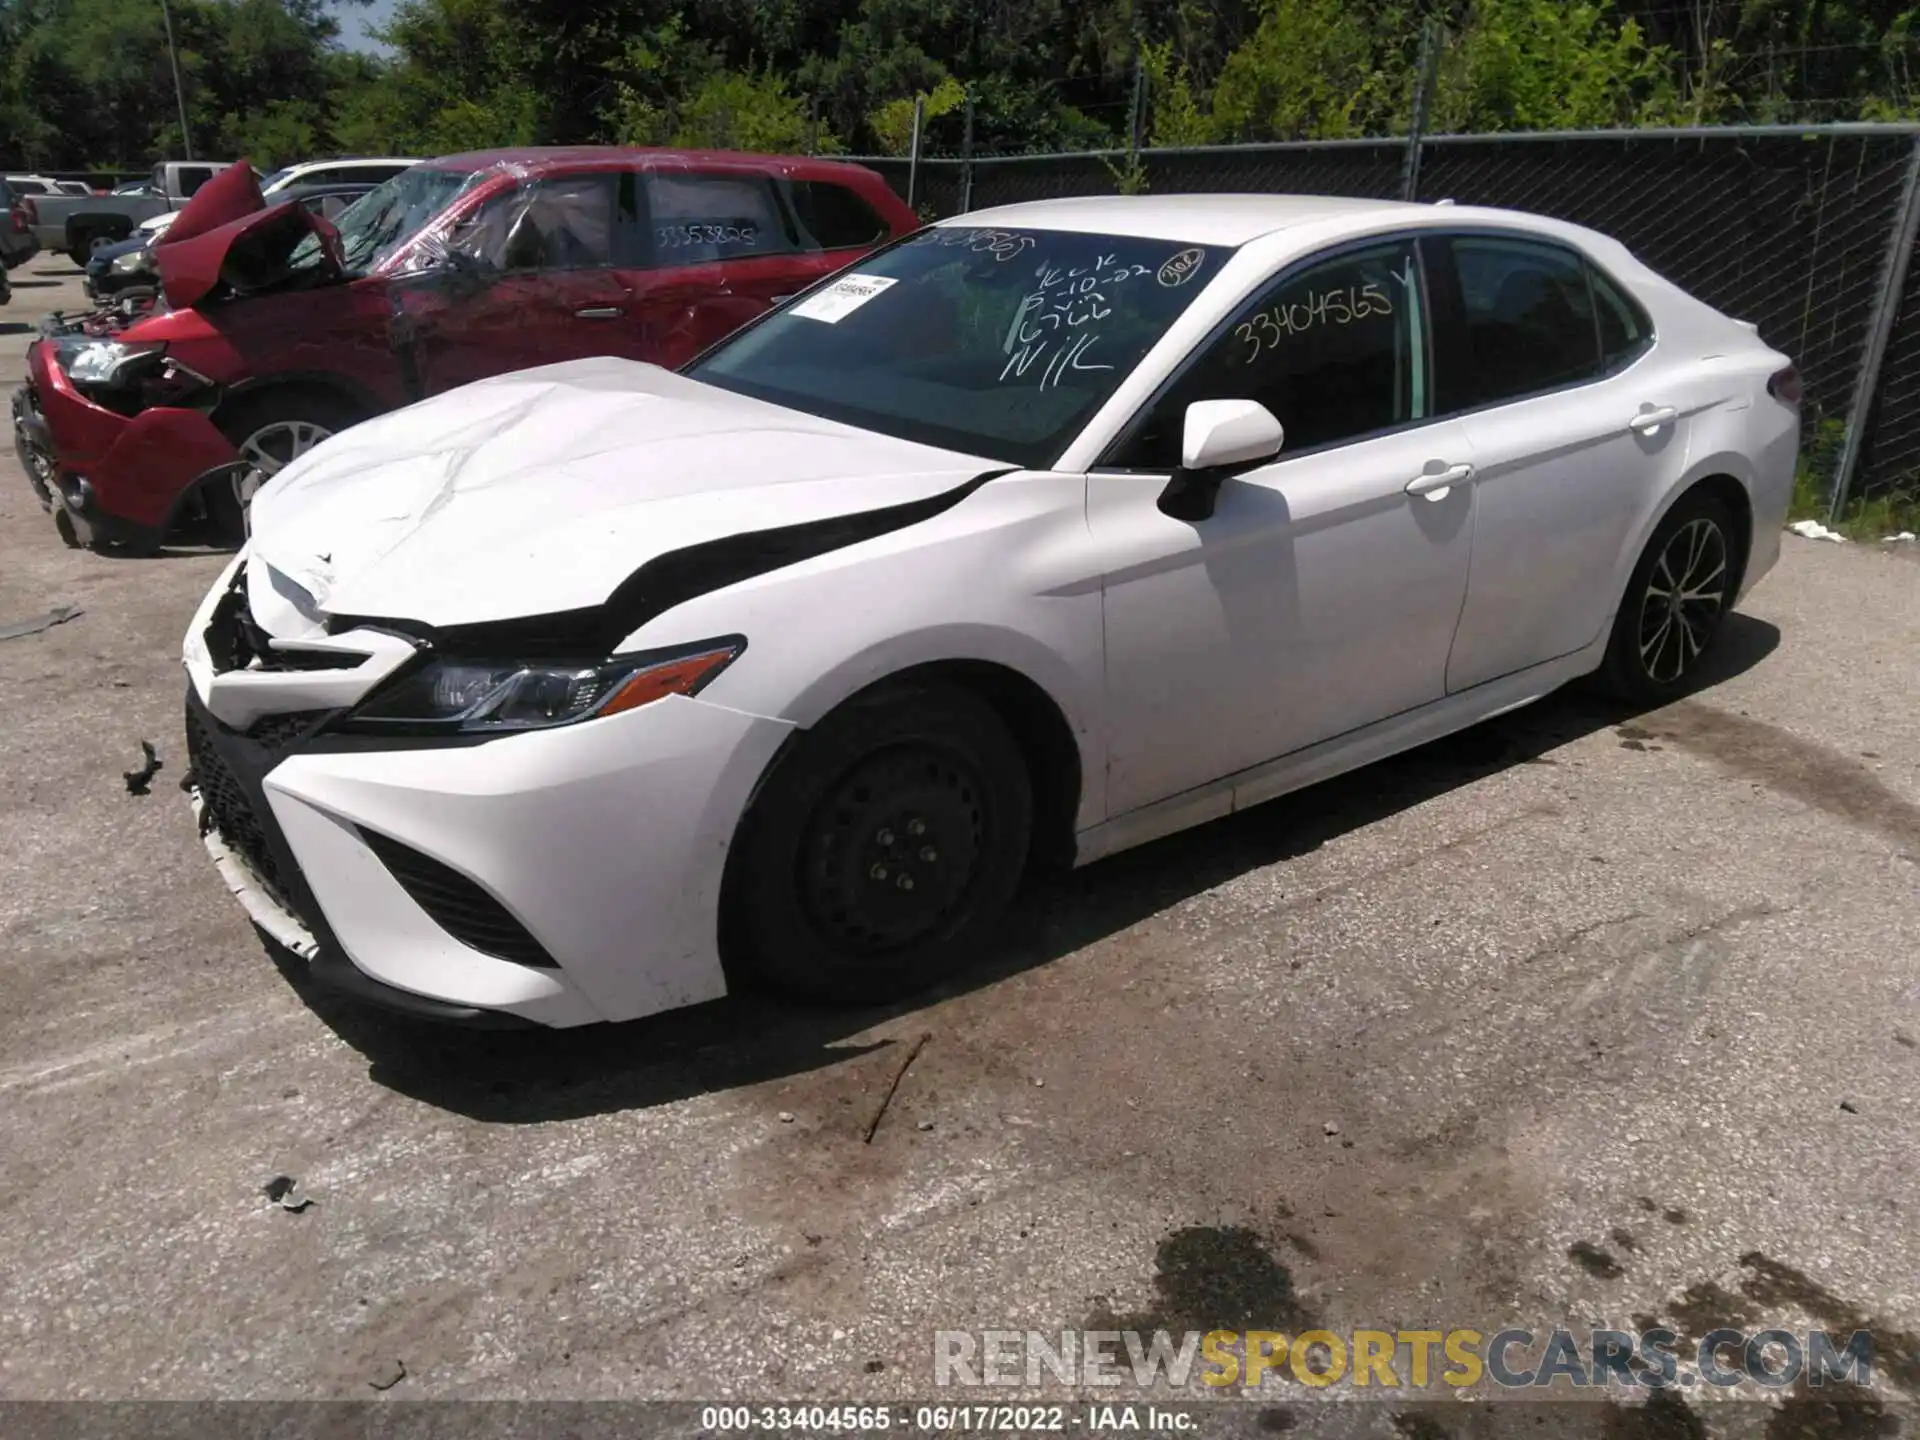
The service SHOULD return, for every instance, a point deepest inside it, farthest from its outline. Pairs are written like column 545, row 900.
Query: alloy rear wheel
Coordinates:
column 1676, row 602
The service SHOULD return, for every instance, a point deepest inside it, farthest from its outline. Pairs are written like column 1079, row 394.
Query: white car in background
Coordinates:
column 593, row 690
column 357, row 170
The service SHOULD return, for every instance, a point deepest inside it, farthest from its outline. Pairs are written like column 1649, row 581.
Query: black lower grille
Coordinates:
column 458, row 905
column 228, row 809
column 276, row 732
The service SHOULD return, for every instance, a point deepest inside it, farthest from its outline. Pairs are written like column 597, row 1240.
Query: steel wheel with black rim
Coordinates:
column 1675, row 603
column 882, row 849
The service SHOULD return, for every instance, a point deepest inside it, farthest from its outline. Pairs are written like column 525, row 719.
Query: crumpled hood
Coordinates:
column 540, row 491
column 228, row 233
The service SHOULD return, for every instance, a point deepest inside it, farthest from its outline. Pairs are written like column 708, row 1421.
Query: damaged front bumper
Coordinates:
column 560, row 876
column 108, row 477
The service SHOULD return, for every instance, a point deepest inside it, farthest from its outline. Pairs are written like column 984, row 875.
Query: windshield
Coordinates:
column 386, row 217
column 998, row 342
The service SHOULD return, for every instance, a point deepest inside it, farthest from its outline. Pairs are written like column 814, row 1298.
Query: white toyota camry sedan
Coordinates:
column 595, row 690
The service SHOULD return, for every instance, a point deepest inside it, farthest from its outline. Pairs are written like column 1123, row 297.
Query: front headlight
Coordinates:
column 477, row 697
column 107, row 362
column 130, row 263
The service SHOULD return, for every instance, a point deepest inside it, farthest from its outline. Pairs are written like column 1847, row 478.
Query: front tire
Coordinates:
column 1675, row 604
column 270, row 430
column 882, row 851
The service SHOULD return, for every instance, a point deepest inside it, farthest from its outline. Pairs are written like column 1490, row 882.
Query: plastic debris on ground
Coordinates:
column 284, row 1191
column 1814, row 530
column 59, row 615
column 139, row 781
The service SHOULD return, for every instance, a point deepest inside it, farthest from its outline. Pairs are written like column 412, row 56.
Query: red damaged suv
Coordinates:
column 275, row 329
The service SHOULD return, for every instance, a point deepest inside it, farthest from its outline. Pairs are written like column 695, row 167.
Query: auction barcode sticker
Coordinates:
column 842, row 298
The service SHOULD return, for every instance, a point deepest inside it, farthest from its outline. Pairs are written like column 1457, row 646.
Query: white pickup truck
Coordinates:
column 78, row 224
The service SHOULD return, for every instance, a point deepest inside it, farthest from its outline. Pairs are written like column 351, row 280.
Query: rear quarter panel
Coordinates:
column 1744, row 433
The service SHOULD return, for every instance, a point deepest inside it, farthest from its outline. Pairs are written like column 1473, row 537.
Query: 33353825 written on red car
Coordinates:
column 597, row 689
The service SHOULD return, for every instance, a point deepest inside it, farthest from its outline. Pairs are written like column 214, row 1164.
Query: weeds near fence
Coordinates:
column 1889, row 512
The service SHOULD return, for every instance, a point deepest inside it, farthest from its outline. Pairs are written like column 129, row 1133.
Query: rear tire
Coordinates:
column 1675, row 603
column 883, row 849
column 272, row 429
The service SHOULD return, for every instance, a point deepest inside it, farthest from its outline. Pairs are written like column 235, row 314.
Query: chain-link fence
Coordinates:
column 1804, row 232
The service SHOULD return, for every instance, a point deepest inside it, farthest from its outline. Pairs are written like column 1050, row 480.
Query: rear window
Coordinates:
column 29, row 187
column 1625, row 330
column 835, row 217
column 1529, row 318
column 698, row 219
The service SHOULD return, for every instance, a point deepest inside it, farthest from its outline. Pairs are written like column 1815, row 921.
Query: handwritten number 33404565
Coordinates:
column 1329, row 307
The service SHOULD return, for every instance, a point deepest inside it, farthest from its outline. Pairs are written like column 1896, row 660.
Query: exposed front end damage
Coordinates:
column 113, row 475
column 492, row 880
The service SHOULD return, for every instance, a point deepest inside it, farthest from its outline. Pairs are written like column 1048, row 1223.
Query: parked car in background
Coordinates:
column 76, row 224
column 74, row 187
column 340, row 170
column 1048, row 531
column 32, row 185
column 344, row 174
column 278, row 331
column 18, row 243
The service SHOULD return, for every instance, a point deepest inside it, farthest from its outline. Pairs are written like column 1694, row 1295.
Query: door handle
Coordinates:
column 600, row 312
column 1648, row 421
column 1436, row 483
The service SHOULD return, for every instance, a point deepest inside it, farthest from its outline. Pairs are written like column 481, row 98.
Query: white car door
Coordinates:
column 1572, row 425
column 1322, row 593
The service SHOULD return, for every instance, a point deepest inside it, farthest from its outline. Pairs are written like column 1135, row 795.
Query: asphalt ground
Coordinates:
column 1578, row 1018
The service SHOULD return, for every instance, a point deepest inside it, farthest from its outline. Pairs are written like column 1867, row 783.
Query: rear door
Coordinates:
column 537, row 284
column 721, row 249
column 1573, row 421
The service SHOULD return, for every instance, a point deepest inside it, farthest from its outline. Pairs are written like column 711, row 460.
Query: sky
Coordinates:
column 356, row 20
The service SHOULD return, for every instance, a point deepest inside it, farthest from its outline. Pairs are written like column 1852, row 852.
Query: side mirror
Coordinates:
column 1220, row 437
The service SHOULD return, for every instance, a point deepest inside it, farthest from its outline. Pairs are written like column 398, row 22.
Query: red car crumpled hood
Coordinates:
column 226, row 233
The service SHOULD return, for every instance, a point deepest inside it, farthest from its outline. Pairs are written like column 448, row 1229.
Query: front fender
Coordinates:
column 160, row 454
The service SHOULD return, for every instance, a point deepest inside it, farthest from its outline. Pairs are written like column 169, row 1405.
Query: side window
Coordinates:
column 1336, row 351
column 834, row 217
column 698, row 219
column 1625, row 330
column 562, row 223
column 192, row 177
column 1529, row 320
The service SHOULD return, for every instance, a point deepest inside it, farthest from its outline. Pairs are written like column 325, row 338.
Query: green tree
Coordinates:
column 1310, row 71
column 1176, row 115
column 1552, row 65
column 892, row 123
